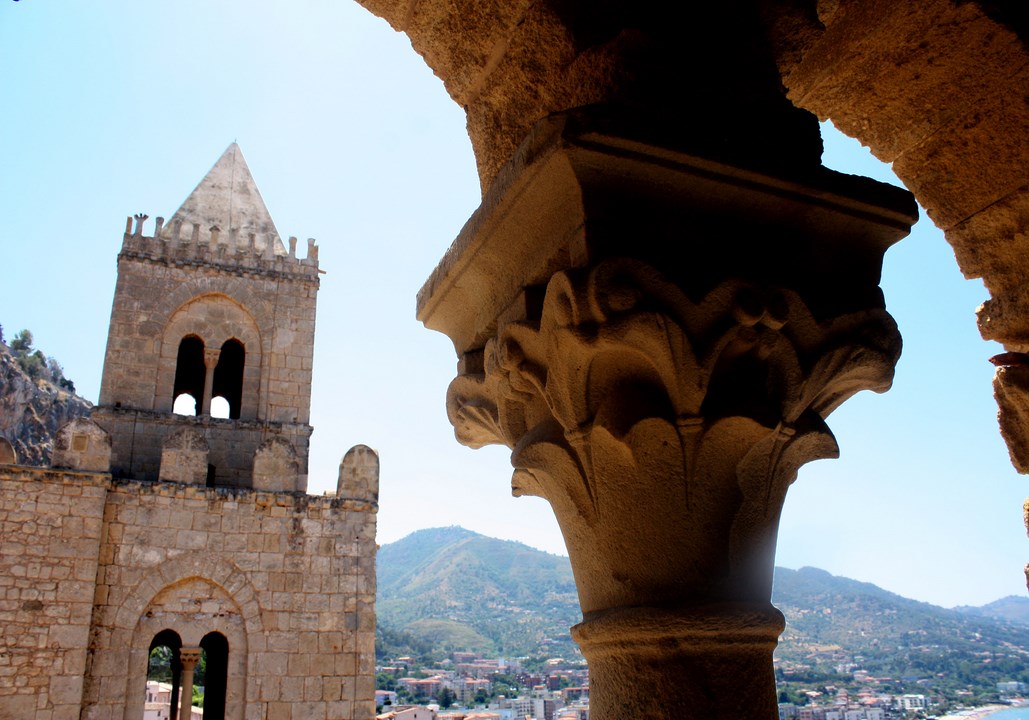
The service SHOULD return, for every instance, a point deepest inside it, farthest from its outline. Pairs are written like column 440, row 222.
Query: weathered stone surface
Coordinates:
column 82, row 445
column 50, row 535
column 90, row 564
column 938, row 89
column 7, row 454
column 359, row 474
column 184, row 457
column 227, row 198
column 1011, row 389
column 276, row 466
column 87, row 563
column 510, row 65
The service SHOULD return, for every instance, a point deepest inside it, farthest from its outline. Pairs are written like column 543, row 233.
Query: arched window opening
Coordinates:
column 163, row 676
column 185, row 405
column 219, row 407
column 215, row 660
column 228, row 376
column 190, row 372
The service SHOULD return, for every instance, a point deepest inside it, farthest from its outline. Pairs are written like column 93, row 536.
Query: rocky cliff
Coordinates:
column 31, row 410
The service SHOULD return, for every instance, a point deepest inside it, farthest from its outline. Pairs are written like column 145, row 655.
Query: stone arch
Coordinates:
column 215, row 612
column 171, row 640
column 937, row 89
column 930, row 88
column 189, row 371
column 965, row 167
column 131, row 627
column 216, row 683
column 229, row 375
column 240, row 290
column 932, row 91
column 215, row 319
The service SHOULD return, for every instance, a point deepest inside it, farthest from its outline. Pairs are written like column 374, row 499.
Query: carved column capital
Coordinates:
column 629, row 399
column 211, row 356
column 659, row 337
column 189, row 657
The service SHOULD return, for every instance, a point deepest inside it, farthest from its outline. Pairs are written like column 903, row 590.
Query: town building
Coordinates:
column 408, row 712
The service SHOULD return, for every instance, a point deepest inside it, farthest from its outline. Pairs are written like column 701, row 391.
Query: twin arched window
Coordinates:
column 195, row 378
column 164, row 675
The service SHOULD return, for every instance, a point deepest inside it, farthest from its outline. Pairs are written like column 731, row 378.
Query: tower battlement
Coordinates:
column 207, row 375
column 180, row 244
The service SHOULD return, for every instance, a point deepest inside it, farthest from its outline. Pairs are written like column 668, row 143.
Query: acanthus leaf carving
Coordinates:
column 621, row 362
column 473, row 412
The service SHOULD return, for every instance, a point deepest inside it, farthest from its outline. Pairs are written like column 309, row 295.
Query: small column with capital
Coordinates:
column 188, row 657
column 210, row 363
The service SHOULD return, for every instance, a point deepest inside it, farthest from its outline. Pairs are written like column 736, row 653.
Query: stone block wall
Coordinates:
column 167, row 292
column 92, row 569
column 157, row 279
column 139, row 437
column 50, row 530
column 288, row 579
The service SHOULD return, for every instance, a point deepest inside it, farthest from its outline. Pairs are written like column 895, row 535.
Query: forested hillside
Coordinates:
column 451, row 589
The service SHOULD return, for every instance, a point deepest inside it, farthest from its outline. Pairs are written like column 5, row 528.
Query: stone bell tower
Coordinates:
column 207, row 375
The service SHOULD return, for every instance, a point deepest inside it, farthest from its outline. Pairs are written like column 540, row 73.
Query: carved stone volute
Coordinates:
column 628, row 400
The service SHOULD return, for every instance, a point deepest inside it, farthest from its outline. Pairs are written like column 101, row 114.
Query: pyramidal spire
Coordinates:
column 228, row 198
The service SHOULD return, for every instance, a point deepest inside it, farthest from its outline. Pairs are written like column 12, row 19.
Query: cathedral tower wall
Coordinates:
column 169, row 523
column 211, row 307
column 51, row 524
column 93, row 569
column 287, row 579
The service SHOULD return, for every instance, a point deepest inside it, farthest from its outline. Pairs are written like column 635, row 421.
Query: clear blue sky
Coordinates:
column 120, row 107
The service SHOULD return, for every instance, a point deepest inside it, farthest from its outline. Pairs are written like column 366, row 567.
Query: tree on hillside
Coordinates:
column 445, row 698
column 159, row 664
column 57, row 375
column 35, row 364
column 22, row 343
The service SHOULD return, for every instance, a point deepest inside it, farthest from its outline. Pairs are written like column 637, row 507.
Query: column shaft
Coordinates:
column 210, row 363
column 189, row 658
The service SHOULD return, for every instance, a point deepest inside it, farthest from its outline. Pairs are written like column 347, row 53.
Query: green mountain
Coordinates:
column 833, row 621
column 452, row 589
column 1012, row 608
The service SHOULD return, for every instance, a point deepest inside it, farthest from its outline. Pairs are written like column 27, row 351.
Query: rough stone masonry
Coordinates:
column 192, row 529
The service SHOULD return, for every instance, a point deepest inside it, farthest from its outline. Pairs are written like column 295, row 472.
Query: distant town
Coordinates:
column 468, row 686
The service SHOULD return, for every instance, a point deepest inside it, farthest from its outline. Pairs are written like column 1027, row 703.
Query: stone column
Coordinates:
column 210, row 363
column 189, row 657
column 659, row 338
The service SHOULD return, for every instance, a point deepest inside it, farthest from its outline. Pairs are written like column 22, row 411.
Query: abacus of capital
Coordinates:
column 660, row 351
